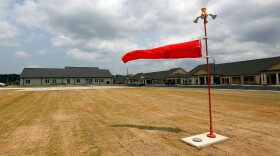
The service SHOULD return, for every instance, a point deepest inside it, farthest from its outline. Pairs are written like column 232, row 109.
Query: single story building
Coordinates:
column 175, row 75
column 264, row 71
column 119, row 79
column 68, row 75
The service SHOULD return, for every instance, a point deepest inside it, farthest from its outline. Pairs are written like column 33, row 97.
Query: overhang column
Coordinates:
column 198, row 81
column 277, row 78
column 263, row 78
column 212, row 80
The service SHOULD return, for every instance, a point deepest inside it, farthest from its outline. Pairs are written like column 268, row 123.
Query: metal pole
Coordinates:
column 214, row 70
column 211, row 134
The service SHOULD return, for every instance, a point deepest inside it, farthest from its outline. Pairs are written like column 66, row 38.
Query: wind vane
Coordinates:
column 204, row 16
column 191, row 49
column 205, row 139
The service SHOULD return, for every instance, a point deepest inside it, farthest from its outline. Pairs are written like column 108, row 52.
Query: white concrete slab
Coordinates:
column 205, row 140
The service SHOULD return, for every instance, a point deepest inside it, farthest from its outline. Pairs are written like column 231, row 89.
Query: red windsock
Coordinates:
column 190, row 49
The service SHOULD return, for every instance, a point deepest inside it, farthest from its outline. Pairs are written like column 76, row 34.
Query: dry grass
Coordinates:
column 137, row 121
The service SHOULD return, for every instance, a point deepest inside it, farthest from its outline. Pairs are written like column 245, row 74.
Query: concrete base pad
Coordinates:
column 205, row 140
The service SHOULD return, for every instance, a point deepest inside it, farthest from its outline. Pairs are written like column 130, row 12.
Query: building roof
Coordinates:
column 119, row 78
column 135, row 77
column 177, row 75
column 171, row 73
column 249, row 67
column 160, row 74
column 204, row 68
column 71, row 72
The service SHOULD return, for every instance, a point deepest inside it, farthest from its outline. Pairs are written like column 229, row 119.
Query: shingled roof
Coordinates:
column 136, row 76
column 249, row 67
column 71, row 72
column 158, row 75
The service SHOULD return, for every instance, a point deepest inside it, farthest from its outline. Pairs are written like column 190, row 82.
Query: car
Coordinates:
column 3, row 84
column 136, row 84
column 169, row 83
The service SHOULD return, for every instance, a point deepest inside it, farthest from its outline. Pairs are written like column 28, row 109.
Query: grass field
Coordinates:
column 137, row 121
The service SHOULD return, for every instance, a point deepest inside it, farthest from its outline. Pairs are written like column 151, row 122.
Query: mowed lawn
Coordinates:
column 137, row 121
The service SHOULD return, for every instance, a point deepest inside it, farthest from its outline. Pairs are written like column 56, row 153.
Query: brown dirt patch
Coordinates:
column 138, row 121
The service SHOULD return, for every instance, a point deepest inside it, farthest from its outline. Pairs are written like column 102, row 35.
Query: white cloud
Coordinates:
column 34, row 66
column 22, row 54
column 7, row 31
column 81, row 55
column 110, row 46
column 96, row 29
column 30, row 13
column 63, row 41
column 34, row 37
column 43, row 52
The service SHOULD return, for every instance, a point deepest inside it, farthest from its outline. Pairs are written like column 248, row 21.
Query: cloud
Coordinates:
column 245, row 22
column 82, row 55
column 96, row 49
column 30, row 14
column 34, row 37
column 63, row 41
column 7, row 30
column 43, row 52
column 22, row 54
column 103, row 30
column 34, row 66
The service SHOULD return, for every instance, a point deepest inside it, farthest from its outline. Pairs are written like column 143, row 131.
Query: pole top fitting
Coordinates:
column 204, row 14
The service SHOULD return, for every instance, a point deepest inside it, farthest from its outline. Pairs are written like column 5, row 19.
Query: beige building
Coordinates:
column 68, row 75
column 264, row 71
column 172, row 76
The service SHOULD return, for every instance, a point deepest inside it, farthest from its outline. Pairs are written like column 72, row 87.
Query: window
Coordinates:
column 78, row 80
column 89, row 81
column 27, row 81
column 96, row 80
column 53, row 80
column 47, row 81
column 101, row 80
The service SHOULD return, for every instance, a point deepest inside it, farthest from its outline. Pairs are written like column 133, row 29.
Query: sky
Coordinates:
column 97, row 33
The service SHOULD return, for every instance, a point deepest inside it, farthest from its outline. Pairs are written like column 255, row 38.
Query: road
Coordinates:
column 242, row 87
